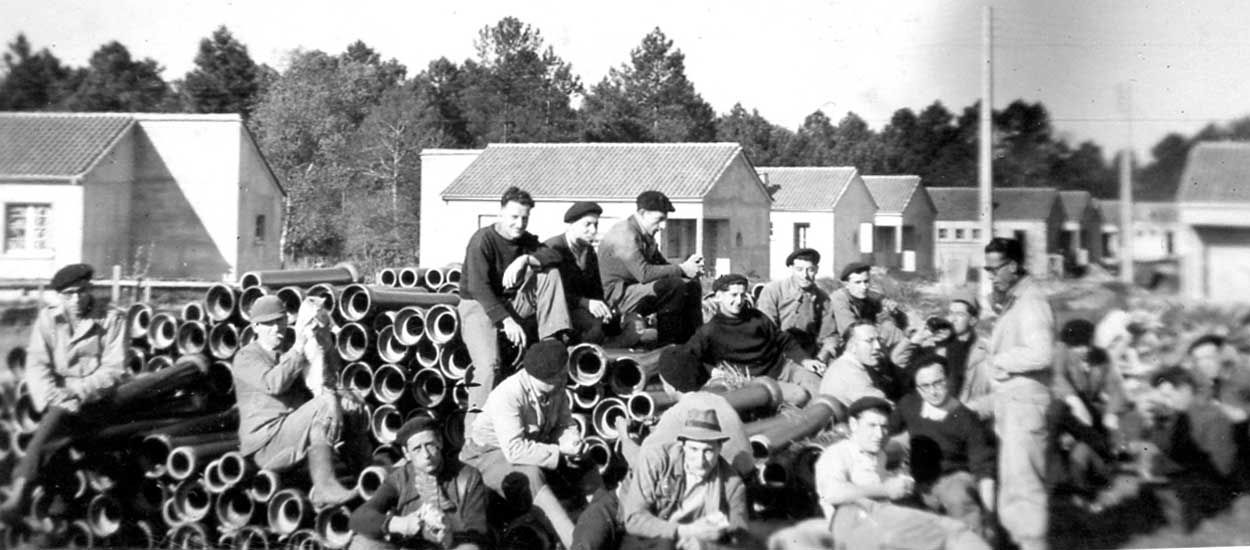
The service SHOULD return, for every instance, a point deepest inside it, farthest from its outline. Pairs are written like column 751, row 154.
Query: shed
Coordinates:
column 1081, row 238
column 825, row 208
column 1213, row 210
column 903, row 237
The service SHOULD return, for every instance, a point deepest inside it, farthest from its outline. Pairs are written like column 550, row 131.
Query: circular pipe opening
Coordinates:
column 159, row 362
column 433, row 278
column 180, row 464
column 640, row 406
column 429, row 388
column 231, row 468
column 442, row 323
column 407, row 277
column 352, row 342
column 587, row 397
column 453, row 275
column 774, row 474
column 291, row 296
column 387, row 277
column 626, row 377
column 223, row 340
column 370, row 481
column 153, row 452
column 220, row 302
column 138, row 318
column 136, row 360
column 192, row 338
column 193, row 311
column 162, row 331
column 455, row 362
column 249, row 297
column 104, row 516
column 759, row 448
column 264, row 485
column 428, row 353
column 605, row 415
column 409, row 326
column 326, row 293
column 460, row 395
column 249, row 279
column 357, row 378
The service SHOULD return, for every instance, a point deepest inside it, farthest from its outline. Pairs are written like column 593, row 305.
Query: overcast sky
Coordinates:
column 1186, row 61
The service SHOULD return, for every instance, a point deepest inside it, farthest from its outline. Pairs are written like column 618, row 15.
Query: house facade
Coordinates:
column 1081, row 240
column 828, row 209
column 1213, row 212
column 903, row 238
column 1032, row 215
column 1154, row 231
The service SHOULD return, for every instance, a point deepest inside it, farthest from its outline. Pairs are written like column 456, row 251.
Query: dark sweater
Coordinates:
column 958, row 443
column 486, row 257
column 578, row 282
column 464, row 507
column 751, row 340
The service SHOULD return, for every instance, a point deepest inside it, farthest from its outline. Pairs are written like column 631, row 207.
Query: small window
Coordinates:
column 959, row 234
column 800, row 235
column 976, row 234
column 27, row 227
column 942, row 233
column 770, row 232
column 260, row 228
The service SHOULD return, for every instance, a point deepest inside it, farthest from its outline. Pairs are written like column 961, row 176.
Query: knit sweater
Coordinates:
column 749, row 340
column 486, row 257
column 958, row 442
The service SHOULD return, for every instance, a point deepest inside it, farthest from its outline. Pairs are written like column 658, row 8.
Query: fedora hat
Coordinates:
column 702, row 426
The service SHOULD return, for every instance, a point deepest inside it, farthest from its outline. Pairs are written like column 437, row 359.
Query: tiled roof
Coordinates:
column 595, row 170
column 1075, row 203
column 892, row 193
column 1143, row 211
column 57, row 145
column 806, row 188
column 1010, row 203
column 1216, row 172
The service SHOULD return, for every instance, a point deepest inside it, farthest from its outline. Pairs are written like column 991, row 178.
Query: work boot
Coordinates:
column 326, row 491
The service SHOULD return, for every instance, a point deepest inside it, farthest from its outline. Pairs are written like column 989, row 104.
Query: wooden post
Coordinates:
column 116, row 291
column 985, row 172
column 147, row 291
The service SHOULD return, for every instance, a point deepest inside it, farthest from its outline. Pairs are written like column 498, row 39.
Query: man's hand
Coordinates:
column 571, row 448
column 701, row 529
column 1079, row 410
column 513, row 331
column 693, row 266
column 897, row 487
column 986, row 489
column 888, row 304
column 349, row 403
column 512, row 275
column 407, row 525
column 600, row 310
column 309, row 309
column 815, row 365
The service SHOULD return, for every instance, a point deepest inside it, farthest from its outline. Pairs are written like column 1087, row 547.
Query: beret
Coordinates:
column 725, row 281
column 867, row 403
column 546, row 360
column 654, row 200
column 581, row 209
column 71, row 275
column 681, row 369
column 809, row 254
column 413, row 426
column 267, row 308
column 853, row 267
column 1077, row 332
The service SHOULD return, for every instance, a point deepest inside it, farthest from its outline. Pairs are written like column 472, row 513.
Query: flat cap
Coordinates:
column 547, row 360
column 72, row 275
column 869, row 402
column 267, row 308
column 679, row 367
column 582, row 209
column 725, row 281
column 654, row 200
column 853, row 267
column 808, row 254
column 415, row 425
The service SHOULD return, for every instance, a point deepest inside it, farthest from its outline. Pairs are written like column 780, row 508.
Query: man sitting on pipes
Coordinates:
column 426, row 501
column 856, row 492
column 579, row 271
column 951, row 452
column 684, row 494
column 743, row 344
column 281, row 422
column 527, row 428
column 637, row 279
column 510, row 284
column 862, row 370
column 75, row 359
column 855, row 301
column 799, row 306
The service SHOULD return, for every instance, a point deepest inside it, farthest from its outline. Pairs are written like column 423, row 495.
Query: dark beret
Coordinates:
column 1077, row 332
column 547, row 360
column 679, row 367
column 870, row 402
column 654, row 200
column 809, row 254
column 414, row 426
column 853, row 267
column 72, row 275
column 725, row 281
column 581, row 209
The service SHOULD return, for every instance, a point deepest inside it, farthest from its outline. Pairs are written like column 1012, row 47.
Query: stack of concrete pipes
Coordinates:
column 166, row 471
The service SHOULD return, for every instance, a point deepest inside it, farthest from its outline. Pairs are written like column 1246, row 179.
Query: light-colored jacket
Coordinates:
column 83, row 360
column 658, row 484
column 516, row 421
column 1022, row 344
column 978, row 380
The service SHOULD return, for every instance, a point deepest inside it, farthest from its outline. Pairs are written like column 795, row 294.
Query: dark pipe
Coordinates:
column 233, row 468
column 406, row 277
column 221, row 302
column 104, row 515
column 291, row 297
column 452, row 273
column 193, row 311
column 234, row 508
column 583, row 423
column 163, row 331
column 158, row 363
column 460, row 395
column 170, row 514
column 432, row 277
column 599, row 452
column 586, row 397
column 388, row 277
column 138, row 317
column 189, row 536
column 332, row 526
column 587, row 364
column 449, row 288
column 193, row 500
column 816, row 416
column 756, row 289
column 369, row 481
column 288, row 510
column 136, row 360
column 759, row 392
column 357, row 378
column 386, row 455
column 265, row 484
column 453, row 429
column 631, row 371
column 223, row 341
column 341, row 274
column 382, row 320
column 409, row 325
column 212, row 478
column 326, row 292
column 251, row 537
column 643, row 405
column 80, row 535
column 442, row 323
column 384, row 423
column 187, row 369
column 454, row 361
column 353, row 342
column 359, row 302
column 185, row 461
column 137, row 535
column 428, row 354
column 249, row 297
column 389, row 383
column 246, row 336
column 192, row 338
column 389, row 348
column 429, row 388
column 604, row 417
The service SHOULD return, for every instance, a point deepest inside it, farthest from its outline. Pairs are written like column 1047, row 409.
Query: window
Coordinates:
column 942, row 233
column 959, row 234
column 260, row 228
column 770, row 231
column 27, row 227
column 800, row 235
column 976, row 234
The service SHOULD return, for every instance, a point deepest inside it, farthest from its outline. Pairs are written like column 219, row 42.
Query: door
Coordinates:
column 1227, row 255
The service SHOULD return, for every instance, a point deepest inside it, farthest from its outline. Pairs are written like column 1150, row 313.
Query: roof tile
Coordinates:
column 806, row 188
column 1216, row 172
column 55, row 144
column 1075, row 203
column 892, row 193
column 1010, row 203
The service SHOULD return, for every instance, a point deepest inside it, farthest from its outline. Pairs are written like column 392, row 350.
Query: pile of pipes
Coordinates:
column 165, row 470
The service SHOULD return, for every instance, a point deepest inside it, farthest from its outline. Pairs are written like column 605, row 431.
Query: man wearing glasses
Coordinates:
column 1021, row 351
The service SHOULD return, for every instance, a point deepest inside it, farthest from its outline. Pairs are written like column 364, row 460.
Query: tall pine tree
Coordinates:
column 224, row 80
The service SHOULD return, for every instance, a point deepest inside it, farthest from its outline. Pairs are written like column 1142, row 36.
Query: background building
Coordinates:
column 1211, row 205
column 1081, row 237
column 1033, row 215
column 904, row 223
column 828, row 209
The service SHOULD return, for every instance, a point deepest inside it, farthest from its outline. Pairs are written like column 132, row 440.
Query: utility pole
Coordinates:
column 985, row 169
column 1126, row 188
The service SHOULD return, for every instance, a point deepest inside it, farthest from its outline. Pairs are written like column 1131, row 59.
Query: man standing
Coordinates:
column 280, row 421
column 742, row 339
column 861, row 370
column 579, row 272
column 952, row 455
column 75, row 357
column 800, row 307
column 965, row 352
column 508, row 285
column 684, row 494
column 1021, row 355
column 637, row 278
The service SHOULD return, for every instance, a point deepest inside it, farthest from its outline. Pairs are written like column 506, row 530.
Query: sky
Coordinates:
column 1117, row 72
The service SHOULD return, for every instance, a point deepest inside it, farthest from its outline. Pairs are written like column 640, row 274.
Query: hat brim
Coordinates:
column 702, row 434
column 268, row 317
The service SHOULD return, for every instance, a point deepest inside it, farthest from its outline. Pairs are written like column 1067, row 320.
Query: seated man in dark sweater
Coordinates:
column 579, row 271
column 742, row 343
column 952, row 454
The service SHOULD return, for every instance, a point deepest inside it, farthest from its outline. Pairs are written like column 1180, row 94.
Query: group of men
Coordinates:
column 930, row 393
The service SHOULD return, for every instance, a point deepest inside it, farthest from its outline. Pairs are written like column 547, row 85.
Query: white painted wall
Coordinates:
column 67, row 229
column 439, row 167
column 819, row 236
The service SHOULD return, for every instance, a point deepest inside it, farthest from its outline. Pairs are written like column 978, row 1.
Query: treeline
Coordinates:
column 344, row 131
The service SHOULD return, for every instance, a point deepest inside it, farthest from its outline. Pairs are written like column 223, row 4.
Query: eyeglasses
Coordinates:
column 932, row 385
column 993, row 270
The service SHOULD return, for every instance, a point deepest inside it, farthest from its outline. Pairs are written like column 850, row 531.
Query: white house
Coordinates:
column 1032, row 215
column 904, row 223
column 1154, row 230
column 178, row 195
column 1082, row 227
column 825, row 208
column 1213, row 209
column 722, row 206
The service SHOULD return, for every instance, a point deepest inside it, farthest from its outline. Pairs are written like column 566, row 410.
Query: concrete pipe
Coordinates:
column 234, row 468
column 221, row 303
column 388, row 276
column 24, row 410
column 288, row 511
column 234, row 508
column 389, row 383
column 582, row 420
column 193, row 500
column 226, row 421
column 409, row 325
column 193, row 311
column 80, row 485
column 449, row 288
column 247, row 335
column 773, row 474
column 161, row 382
column 189, row 536
column 389, row 348
column 138, row 317
column 212, row 478
column 386, row 456
column 803, row 465
column 429, row 388
column 192, row 338
column 139, row 535
column 631, row 371
column 158, row 363
column 136, row 360
column 453, row 429
column 185, row 461
column 382, row 320
column 432, row 277
column 442, row 323
column 427, row 354
column 149, row 496
column 759, row 392
column 598, row 452
column 220, row 379
column 332, row 526
column 341, row 274
column 7, row 442
column 291, row 297
column 251, row 537
column 79, row 534
column 460, row 395
column 454, row 361
column 586, row 397
column 357, row 378
column 163, row 331
column 360, row 302
column 453, row 272
column 644, row 405
column 817, row 415
column 369, row 481
column 587, row 364
column 171, row 515
column 406, row 277
column 384, row 423
column 249, row 297
column 756, row 289
column 223, row 341
column 604, row 417
column 265, row 484
column 104, row 515
column 305, row 539
column 354, row 342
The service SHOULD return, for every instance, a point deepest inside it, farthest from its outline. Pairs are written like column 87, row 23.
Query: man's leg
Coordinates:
column 26, row 472
column 496, row 470
column 674, row 300
column 794, row 373
column 1020, row 420
column 542, row 296
column 903, row 527
column 309, row 432
column 956, row 496
column 482, row 340
column 586, row 327
column 598, row 528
